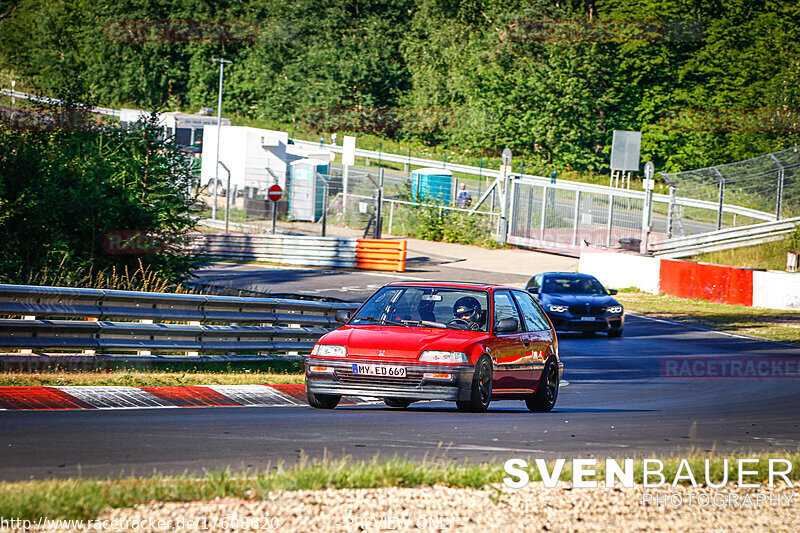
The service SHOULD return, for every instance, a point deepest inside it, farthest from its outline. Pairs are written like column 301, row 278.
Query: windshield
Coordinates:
column 426, row 307
column 572, row 285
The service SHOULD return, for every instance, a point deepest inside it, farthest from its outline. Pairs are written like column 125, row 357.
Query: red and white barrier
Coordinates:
column 686, row 279
column 88, row 397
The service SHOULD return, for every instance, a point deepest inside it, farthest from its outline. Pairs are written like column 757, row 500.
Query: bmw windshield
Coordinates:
column 434, row 307
column 572, row 285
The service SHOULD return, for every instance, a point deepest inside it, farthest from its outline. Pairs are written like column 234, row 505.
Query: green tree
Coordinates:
column 66, row 181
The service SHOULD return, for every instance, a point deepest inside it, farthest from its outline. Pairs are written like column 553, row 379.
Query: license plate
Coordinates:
column 587, row 319
column 380, row 370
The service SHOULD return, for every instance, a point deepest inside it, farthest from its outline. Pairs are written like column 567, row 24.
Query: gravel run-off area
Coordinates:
column 494, row 508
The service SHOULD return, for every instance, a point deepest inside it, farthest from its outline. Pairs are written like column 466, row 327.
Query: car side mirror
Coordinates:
column 612, row 292
column 342, row 316
column 507, row 325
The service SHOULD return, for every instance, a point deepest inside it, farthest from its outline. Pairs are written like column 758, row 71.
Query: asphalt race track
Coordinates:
column 617, row 403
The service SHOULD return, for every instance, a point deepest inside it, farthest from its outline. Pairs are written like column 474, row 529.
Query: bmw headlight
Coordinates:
column 559, row 308
column 434, row 356
column 328, row 350
column 614, row 309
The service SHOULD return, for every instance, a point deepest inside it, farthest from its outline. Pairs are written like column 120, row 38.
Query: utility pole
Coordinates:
column 222, row 63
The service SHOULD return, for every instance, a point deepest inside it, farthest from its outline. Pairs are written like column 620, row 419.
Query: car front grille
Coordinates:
column 584, row 310
column 345, row 375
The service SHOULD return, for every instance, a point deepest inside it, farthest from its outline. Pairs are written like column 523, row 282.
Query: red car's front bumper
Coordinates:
column 414, row 386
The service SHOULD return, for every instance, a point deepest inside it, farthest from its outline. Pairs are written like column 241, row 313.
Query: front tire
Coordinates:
column 322, row 401
column 397, row 403
column 544, row 399
column 481, row 389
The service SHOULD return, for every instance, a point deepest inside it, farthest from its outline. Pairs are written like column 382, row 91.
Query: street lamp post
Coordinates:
column 222, row 63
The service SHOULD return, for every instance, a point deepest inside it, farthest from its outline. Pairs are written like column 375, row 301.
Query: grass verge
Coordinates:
column 767, row 323
column 146, row 379
column 87, row 498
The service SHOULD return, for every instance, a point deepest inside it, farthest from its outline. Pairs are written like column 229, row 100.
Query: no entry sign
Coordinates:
column 274, row 193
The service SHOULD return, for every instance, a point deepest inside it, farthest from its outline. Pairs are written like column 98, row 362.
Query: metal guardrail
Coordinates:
column 284, row 325
column 724, row 239
column 281, row 249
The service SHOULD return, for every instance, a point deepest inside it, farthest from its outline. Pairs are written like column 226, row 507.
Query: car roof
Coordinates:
column 567, row 274
column 452, row 284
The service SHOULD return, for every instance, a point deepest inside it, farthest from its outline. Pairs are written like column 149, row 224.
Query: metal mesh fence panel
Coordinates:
column 564, row 216
column 736, row 194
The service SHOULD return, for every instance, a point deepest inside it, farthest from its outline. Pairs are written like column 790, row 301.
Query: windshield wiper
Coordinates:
column 380, row 320
column 424, row 323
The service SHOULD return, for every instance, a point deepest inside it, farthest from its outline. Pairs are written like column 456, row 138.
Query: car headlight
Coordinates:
column 559, row 308
column 434, row 356
column 328, row 350
column 615, row 309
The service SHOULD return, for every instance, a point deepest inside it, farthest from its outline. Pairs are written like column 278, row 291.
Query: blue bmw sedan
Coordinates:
column 578, row 302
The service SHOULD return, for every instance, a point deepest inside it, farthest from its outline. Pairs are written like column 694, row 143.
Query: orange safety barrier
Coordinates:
column 377, row 254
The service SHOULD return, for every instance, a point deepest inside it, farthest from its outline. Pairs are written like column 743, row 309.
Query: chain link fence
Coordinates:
column 563, row 216
column 768, row 185
column 541, row 213
column 349, row 199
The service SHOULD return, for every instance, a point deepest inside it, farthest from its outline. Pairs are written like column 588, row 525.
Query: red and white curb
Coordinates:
column 80, row 397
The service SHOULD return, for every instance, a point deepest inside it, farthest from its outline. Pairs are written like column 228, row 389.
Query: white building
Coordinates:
column 256, row 158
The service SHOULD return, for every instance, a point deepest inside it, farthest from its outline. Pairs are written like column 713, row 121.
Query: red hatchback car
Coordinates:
column 463, row 342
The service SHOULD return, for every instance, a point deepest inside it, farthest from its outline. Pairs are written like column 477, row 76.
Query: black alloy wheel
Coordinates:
column 481, row 390
column 544, row 399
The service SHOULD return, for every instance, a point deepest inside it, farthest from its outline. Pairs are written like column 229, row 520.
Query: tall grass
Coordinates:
column 142, row 278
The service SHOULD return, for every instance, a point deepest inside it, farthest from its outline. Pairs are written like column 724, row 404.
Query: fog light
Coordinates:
column 436, row 375
column 321, row 369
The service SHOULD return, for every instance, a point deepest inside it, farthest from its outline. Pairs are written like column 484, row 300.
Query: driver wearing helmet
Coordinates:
column 468, row 309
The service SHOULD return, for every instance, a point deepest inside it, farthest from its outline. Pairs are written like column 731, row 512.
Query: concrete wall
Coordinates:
column 686, row 279
column 776, row 290
column 622, row 270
